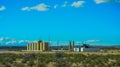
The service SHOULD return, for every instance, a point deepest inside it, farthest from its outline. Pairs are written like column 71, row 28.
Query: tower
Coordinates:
column 71, row 46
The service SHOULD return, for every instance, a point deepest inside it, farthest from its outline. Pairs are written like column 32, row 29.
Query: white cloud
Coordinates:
column 34, row 41
column 78, row 4
column 78, row 42
column 101, row 1
column 91, row 41
column 27, row 41
column 25, row 9
column 21, row 41
column 1, row 39
column 39, row 7
column 2, row 8
column 65, row 4
column 55, row 6
column 11, row 42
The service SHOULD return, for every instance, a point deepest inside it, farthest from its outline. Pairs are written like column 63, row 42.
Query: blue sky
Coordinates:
column 97, row 21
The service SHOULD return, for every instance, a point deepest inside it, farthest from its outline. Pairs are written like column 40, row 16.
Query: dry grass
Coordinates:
column 111, row 52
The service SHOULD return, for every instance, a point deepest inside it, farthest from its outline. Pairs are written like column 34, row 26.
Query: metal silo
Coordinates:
column 41, row 46
column 32, row 46
column 28, row 47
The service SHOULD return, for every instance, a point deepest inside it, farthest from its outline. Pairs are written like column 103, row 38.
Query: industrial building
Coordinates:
column 38, row 46
column 83, row 49
column 71, row 46
column 86, row 48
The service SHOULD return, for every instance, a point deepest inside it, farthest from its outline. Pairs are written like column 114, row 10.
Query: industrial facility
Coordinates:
column 86, row 48
column 38, row 46
column 71, row 47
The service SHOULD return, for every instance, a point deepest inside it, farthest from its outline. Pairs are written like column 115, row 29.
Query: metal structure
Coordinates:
column 38, row 46
column 71, row 46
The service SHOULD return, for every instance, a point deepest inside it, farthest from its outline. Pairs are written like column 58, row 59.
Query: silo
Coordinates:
column 35, row 47
column 45, row 46
column 38, row 45
column 72, row 44
column 28, row 47
column 41, row 46
column 32, row 46
column 69, row 46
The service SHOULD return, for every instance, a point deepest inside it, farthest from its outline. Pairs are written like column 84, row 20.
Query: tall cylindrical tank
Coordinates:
column 41, row 46
column 35, row 47
column 32, row 46
column 71, row 46
column 27, row 46
column 38, row 46
column 45, row 46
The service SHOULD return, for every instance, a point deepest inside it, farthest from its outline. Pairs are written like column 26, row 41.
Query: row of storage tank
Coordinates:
column 38, row 46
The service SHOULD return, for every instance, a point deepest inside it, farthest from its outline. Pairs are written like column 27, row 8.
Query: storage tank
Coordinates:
column 32, row 46
column 71, row 46
column 41, row 46
column 27, row 46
